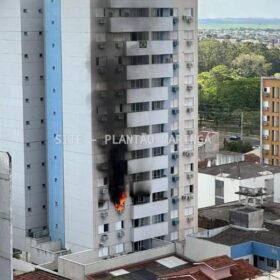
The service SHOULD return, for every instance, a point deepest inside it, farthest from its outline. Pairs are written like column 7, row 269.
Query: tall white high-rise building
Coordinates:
column 119, row 69
column 126, row 67
column 22, row 113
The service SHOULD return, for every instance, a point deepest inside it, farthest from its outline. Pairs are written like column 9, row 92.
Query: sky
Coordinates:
column 239, row 8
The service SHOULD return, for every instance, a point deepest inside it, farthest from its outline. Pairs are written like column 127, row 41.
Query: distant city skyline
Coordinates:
column 239, row 8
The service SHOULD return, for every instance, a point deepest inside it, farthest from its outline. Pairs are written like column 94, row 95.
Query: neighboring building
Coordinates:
column 22, row 107
column 253, row 156
column 6, row 246
column 270, row 137
column 221, row 184
column 39, row 275
column 121, row 68
column 239, row 231
column 226, row 157
column 209, row 145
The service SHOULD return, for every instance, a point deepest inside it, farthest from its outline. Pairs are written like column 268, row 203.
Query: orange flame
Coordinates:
column 120, row 206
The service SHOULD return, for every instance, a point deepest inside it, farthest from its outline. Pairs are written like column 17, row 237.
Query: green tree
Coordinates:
column 251, row 65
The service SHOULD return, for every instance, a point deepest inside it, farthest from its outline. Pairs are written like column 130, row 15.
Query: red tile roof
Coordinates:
column 39, row 275
column 240, row 270
column 204, row 135
column 218, row 262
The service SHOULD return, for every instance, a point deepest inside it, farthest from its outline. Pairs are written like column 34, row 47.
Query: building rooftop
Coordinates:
column 234, row 236
column 39, row 275
column 241, row 170
column 149, row 270
column 239, row 269
column 221, row 212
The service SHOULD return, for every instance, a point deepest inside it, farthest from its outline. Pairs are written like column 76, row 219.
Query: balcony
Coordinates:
column 147, row 94
column 134, row 48
column 140, row 24
column 148, row 141
column 147, row 164
column 154, row 186
column 140, row 4
column 151, row 231
column 148, row 71
column 147, row 118
column 149, row 209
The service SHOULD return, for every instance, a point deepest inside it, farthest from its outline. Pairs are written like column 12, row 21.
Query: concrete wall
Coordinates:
column 199, row 249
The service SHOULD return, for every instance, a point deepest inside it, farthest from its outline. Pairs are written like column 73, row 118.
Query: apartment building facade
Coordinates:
column 22, row 107
column 270, row 137
column 127, row 68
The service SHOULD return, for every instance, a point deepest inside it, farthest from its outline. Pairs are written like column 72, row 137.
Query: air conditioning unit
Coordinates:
column 120, row 93
column 175, row 20
column 103, row 166
column 175, row 66
column 104, row 237
column 119, row 69
column 189, row 87
column 187, row 19
column 101, row 244
column 189, row 110
column 119, row 45
column 189, row 197
column 266, row 137
column 265, row 123
column 104, row 215
column 175, row 199
column 189, row 43
column 120, row 117
column 184, row 197
column 187, row 154
column 102, row 20
column 101, row 70
column 103, row 118
column 175, row 222
column 189, row 65
column 189, row 132
column 143, row 44
column 103, row 191
column 175, row 111
column 189, row 219
column 120, row 234
column 175, row 43
column 101, row 46
column 189, row 176
column 174, row 89
column 102, row 94
column 266, row 108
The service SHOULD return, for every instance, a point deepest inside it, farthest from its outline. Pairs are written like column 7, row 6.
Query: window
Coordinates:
column 159, row 196
column 103, row 205
column 188, row 211
column 159, row 151
column 140, row 130
column 158, row 219
column 103, row 228
column 141, row 199
column 101, row 61
column 143, row 176
column 157, row 105
column 29, row 209
column 158, row 174
column 219, row 192
column 271, row 263
column 189, row 12
column 134, row 84
column 174, row 214
column 189, row 35
column 140, row 107
column 141, row 222
column 174, row 235
column 100, row 37
column 140, row 154
column 158, row 128
column 103, row 252
column 119, row 248
column 100, row 12
column 119, row 225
